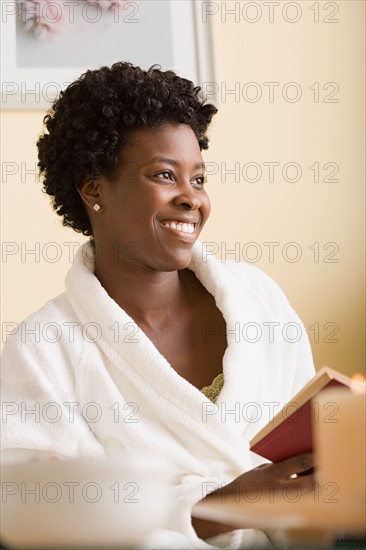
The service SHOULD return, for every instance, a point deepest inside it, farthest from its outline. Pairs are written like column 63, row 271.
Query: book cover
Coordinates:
column 289, row 434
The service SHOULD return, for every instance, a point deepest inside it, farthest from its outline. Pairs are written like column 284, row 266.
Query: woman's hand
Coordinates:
column 262, row 481
column 266, row 478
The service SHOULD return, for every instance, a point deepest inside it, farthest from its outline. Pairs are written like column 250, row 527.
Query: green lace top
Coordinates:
column 213, row 390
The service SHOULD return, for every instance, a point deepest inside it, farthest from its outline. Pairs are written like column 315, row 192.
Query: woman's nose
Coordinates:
column 188, row 197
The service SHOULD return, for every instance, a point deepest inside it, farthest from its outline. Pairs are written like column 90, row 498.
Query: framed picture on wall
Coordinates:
column 46, row 44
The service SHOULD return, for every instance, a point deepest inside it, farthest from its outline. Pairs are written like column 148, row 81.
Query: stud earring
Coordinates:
column 96, row 207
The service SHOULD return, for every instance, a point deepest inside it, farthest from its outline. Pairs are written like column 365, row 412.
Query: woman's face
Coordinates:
column 155, row 209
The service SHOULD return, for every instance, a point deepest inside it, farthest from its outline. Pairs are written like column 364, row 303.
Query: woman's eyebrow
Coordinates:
column 173, row 162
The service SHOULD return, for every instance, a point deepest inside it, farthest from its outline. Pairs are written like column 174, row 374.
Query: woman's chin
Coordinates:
column 177, row 261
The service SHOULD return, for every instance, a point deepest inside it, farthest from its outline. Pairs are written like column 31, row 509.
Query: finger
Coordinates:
column 294, row 465
column 261, row 466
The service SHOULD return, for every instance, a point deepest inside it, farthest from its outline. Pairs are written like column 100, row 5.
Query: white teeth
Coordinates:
column 179, row 226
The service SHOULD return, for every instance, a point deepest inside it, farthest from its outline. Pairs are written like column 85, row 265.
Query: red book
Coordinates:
column 290, row 432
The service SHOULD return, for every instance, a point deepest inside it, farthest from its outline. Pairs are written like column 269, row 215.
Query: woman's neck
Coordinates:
column 144, row 294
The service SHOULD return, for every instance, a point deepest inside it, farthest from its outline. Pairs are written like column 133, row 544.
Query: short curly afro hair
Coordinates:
column 96, row 115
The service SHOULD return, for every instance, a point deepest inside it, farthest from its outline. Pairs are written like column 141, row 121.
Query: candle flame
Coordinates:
column 358, row 384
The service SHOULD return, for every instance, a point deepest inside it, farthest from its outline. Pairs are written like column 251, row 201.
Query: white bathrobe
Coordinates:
column 84, row 353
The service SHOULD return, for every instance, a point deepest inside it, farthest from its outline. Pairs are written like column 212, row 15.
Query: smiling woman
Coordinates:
column 121, row 159
column 157, row 201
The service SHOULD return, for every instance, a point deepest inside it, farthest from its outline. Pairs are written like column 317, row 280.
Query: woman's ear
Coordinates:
column 90, row 192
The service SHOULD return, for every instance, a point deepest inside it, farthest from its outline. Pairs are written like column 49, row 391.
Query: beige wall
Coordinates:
column 328, row 295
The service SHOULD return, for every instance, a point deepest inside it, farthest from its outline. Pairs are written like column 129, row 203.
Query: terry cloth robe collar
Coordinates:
column 142, row 363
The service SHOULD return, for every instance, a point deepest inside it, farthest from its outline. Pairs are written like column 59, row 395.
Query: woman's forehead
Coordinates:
column 168, row 142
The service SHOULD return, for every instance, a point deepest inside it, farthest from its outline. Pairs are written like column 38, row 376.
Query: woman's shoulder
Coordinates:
column 40, row 355
column 258, row 281
column 52, row 313
column 41, row 333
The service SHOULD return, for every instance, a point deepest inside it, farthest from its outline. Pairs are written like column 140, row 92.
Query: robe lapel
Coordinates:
column 132, row 351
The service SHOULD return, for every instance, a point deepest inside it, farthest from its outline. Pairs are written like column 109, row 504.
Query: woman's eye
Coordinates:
column 200, row 180
column 165, row 175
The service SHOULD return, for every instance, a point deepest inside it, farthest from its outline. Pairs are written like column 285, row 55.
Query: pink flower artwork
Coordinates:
column 44, row 18
column 106, row 4
column 41, row 17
